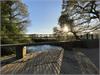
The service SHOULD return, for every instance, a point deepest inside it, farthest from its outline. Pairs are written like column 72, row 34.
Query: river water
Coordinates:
column 42, row 48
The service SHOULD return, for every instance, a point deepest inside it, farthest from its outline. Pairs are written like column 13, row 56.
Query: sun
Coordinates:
column 65, row 29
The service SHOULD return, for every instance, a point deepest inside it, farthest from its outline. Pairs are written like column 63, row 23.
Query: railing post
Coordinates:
column 92, row 37
column 87, row 36
column 20, row 52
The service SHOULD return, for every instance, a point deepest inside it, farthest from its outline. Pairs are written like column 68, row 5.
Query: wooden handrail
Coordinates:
column 30, row 44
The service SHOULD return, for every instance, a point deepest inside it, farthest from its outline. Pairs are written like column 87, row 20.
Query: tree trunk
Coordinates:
column 76, row 36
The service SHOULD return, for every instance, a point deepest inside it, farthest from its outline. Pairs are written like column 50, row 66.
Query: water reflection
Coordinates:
column 41, row 48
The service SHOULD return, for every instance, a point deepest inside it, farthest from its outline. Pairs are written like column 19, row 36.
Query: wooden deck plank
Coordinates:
column 35, row 63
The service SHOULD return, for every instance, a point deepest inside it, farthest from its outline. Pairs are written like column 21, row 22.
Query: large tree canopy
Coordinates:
column 14, row 20
column 81, row 16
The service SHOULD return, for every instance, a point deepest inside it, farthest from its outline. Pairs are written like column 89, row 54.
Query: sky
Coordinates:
column 43, row 15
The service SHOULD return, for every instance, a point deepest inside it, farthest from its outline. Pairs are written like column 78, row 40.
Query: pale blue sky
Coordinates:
column 43, row 15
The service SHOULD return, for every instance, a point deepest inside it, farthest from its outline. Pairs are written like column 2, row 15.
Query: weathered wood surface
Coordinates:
column 77, row 62
column 47, row 62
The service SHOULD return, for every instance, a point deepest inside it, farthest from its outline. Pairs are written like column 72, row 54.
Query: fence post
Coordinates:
column 20, row 52
column 91, row 36
column 87, row 36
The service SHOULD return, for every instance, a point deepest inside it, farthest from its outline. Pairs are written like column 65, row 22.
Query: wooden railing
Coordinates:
column 71, row 44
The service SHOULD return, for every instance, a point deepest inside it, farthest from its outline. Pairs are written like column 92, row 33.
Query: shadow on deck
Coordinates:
column 9, row 60
column 36, row 63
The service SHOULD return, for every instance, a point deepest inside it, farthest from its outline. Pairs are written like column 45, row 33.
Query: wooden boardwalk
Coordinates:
column 47, row 62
